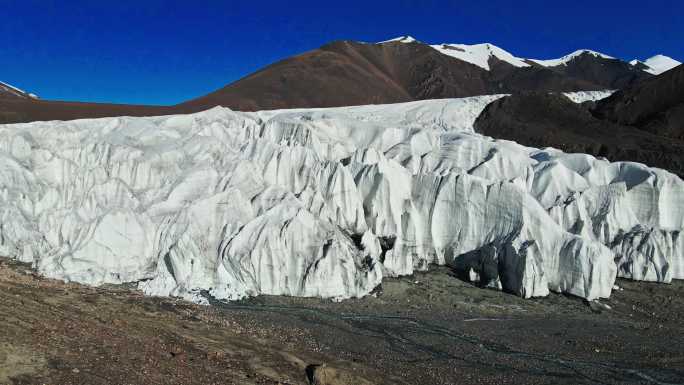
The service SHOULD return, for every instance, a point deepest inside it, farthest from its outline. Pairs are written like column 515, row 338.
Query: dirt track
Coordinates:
column 427, row 329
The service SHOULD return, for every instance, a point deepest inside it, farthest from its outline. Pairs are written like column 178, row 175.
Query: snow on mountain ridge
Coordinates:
column 325, row 202
column 657, row 64
column 400, row 39
column 479, row 54
column 569, row 57
column 16, row 91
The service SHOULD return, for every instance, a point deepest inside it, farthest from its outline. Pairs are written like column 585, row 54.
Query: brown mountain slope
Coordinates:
column 347, row 73
column 655, row 105
column 28, row 110
column 313, row 79
column 351, row 73
column 9, row 92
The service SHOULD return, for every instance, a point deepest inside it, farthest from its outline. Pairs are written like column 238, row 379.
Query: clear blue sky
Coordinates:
column 164, row 52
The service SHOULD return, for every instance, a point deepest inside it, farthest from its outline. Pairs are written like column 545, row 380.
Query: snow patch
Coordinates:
column 16, row 91
column 479, row 54
column 400, row 39
column 570, row 57
column 588, row 96
column 657, row 64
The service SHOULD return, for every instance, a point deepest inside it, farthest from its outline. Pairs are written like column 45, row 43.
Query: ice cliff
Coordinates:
column 325, row 202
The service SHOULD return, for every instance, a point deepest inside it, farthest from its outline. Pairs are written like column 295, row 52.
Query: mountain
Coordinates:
column 8, row 91
column 596, row 68
column 642, row 123
column 655, row 105
column 656, row 65
column 345, row 73
column 337, row 74
column 18, row 110
column 403, row 69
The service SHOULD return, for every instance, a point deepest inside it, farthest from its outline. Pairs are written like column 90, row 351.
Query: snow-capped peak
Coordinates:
column 570, row 57
column 657, row 64
column 479, row 54
column 400, row 39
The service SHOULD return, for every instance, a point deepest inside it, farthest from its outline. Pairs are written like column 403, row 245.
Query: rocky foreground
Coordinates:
column 430, row 328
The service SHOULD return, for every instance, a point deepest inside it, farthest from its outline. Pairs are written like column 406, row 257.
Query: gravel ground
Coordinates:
column 430, row 328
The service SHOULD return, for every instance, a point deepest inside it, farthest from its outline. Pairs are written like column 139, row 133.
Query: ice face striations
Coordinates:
column 326, row 202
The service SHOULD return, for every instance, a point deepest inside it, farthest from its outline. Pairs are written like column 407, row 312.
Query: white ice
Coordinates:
column 327, row 202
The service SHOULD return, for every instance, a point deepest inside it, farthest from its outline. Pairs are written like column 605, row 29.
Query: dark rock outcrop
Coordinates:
column 655, row 105
column 552, row 120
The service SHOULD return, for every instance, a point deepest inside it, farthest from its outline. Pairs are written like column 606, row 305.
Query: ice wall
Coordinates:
column 325, row 202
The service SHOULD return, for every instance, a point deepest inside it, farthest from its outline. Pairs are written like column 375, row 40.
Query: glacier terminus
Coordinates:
column 327, row 202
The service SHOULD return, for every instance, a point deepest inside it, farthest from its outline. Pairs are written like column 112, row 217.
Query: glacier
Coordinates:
column 327, row 202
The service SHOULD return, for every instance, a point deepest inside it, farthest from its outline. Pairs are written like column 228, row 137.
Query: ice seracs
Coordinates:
column 326, row 202
column 657, row 64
